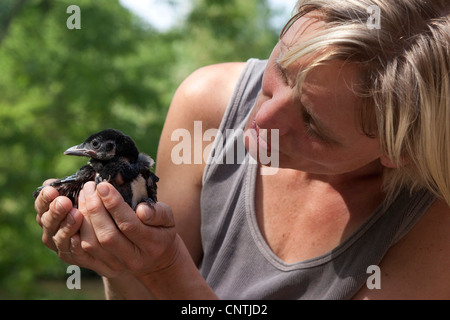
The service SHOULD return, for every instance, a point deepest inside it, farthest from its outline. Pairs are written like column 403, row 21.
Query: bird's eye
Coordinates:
column 95, row 144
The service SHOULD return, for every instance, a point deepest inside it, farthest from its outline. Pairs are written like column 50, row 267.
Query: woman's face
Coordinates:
column 318, row 128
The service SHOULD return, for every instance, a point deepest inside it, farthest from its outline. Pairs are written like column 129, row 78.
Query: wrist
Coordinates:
column 125, row 287
column 180, row 279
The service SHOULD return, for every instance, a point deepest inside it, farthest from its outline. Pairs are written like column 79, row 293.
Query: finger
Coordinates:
column 119, row 210
column 105, row 229
column 38, row 219
column 51, row 220
column 75, row 246
column 69, row 227
column 101, row 253
column 57, row 212
column 90, row 243
column 158, row 216
column 80, row 257
column 98, row 223
column 92, row 207
column 48, row 181
column 46, row 196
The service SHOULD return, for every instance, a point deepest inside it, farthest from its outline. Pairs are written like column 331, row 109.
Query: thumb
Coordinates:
column 160, row 215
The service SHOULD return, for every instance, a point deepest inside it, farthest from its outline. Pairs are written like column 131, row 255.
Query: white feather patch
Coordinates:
column 146, row 158
column 139, row 190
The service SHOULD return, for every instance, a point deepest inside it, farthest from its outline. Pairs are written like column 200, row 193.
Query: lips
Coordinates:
column 254, row 126
column 261, row 136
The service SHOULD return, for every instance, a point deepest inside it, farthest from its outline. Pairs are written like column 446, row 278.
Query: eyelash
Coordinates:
column 312, row 134
column 309, row 130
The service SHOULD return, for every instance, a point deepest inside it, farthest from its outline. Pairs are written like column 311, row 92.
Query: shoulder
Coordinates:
column 204, row 95
column 418, row 266
column 201, row 98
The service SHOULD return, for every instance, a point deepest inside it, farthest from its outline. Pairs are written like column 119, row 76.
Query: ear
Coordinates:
column 388, row 163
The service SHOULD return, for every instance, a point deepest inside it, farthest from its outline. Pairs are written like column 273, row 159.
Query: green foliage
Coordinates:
column 225, row 30
column 58, row 85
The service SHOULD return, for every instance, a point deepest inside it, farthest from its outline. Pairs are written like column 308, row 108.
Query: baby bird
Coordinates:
column 114, row 158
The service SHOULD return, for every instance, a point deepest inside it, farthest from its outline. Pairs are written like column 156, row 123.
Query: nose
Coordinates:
column 275, row 111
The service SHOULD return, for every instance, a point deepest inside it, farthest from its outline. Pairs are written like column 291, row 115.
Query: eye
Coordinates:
column 315, row 132
column 311, row 129
column 95, row 144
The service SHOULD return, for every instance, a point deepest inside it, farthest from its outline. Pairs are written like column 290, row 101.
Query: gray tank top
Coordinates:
column 238, row 263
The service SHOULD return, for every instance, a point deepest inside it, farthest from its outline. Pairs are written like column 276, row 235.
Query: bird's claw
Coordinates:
column 99, row 179
column 150, row 202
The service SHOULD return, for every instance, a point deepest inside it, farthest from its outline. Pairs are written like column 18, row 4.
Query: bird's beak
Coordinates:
column 80, row 151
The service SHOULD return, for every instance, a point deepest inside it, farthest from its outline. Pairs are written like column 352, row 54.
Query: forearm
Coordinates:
column 180, row 281
column 125, row 288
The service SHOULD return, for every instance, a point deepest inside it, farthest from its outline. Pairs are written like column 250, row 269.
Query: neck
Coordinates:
column 370, row 174
column 372, row 171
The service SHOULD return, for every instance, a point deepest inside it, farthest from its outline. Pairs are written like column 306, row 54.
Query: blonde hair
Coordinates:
column 405, row 85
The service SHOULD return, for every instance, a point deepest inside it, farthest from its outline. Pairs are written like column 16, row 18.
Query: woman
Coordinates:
column 359, row 118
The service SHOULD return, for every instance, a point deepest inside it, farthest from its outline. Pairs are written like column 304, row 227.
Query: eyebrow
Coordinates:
column 282, row 71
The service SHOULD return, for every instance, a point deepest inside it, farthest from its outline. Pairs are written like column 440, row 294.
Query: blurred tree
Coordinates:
column 59, row 85
column 225, row 30
column 8, row 10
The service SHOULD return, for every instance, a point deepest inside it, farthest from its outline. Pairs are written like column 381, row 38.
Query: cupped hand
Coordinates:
column 104, row 234
column 56, row 215
column 114, row 240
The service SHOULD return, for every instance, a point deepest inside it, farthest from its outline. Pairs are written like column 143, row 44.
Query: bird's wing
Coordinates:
column 70, row 186
column 145, row 163
column 152, row 179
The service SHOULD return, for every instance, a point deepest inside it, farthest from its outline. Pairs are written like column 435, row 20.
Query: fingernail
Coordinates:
column 89, row 189
column 145, row 212
column 103, row 190
column 45, row 195
column 59, row 207
column 70, row 217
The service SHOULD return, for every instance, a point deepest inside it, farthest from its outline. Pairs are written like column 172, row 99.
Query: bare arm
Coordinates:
column 418, row 266
column 203, row 96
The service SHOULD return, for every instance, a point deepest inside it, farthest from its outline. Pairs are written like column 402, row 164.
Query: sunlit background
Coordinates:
column 164, row 14
column 119, row 70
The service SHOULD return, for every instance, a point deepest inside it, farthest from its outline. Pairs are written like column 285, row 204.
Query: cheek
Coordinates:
column 358, row 154
column 371, row 148
column 321, row 158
